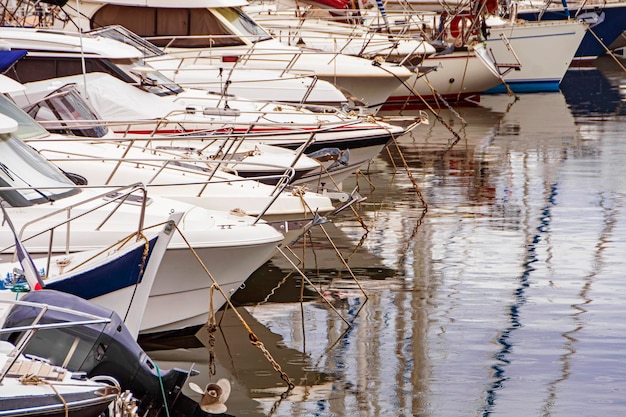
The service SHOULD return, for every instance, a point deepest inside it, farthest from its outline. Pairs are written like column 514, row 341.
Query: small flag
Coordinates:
column 30, row 270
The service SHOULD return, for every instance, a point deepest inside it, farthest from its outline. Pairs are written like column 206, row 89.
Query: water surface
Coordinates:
column 504, row 295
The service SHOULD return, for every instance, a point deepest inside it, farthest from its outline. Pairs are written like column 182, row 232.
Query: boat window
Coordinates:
column 30, row 69
column 65, row 111
column 27, row 127
column 244, row 23
column 22, row 166
column 172, row 27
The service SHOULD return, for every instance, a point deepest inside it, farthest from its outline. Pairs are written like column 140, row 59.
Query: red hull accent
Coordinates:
column 416, row 103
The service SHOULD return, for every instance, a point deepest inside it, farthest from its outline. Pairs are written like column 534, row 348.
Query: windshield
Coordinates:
column 22, row 166
column 244, row 23
column 28, row 128
column 121, row 34
column 150, row 79
column 64, row 111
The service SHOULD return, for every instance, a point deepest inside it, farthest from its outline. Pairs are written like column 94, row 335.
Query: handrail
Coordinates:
column 183, row 164
column 116, row 196
column 280, row 181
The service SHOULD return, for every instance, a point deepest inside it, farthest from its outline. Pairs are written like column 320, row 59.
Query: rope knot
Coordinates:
column 30, row 379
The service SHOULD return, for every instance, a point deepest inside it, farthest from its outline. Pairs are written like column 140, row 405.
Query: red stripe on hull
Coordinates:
column 417, row 103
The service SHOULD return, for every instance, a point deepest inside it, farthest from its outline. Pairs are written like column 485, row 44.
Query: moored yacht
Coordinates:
column 221, row 34
column 41, row 197
column 352, row 141
column 438, row 74
column 606, row 20
column 75, row 144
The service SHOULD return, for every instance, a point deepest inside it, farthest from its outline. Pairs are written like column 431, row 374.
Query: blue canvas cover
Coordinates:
column 8, row 58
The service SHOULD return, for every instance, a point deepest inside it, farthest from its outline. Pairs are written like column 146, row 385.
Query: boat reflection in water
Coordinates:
column 595, row 91
column 499, row 300
column 256, row 386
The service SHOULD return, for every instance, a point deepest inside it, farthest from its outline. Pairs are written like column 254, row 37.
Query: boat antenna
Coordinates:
column 82, row 50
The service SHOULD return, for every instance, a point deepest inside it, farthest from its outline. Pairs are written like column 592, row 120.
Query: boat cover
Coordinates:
column 8, row 58
column 112, row 98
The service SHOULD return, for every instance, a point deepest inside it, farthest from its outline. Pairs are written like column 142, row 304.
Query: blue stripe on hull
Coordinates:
column 115, row 275
column 526, row 87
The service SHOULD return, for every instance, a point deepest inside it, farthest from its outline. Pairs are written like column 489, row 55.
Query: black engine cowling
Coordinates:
column 101, row 349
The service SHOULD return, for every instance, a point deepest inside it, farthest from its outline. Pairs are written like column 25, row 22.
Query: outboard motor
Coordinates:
column 101, row 349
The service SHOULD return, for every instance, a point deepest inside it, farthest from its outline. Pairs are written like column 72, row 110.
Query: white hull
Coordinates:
column 455, row 76
column 365, row 82
column 231, row 250
column 545, row 50
column 182, row 284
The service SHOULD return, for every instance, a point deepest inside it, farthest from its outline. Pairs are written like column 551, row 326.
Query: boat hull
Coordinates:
column 76, row 405
column 183, row 294
column 363, row 81
column 545, row 51
column 455, row 77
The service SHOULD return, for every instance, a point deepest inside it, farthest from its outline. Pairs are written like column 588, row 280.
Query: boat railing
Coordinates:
column 368, row 27
column 234, row 58
column 153, row 53
column 226, row 79
column 112, row 198
column 182, row 164
column 28, row 331
column 207, row 173
column 255, row 53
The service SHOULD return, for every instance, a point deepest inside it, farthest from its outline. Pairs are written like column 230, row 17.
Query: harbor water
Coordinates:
column 501, row 291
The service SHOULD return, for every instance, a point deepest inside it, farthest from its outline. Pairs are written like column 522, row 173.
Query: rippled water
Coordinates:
column 506, row 298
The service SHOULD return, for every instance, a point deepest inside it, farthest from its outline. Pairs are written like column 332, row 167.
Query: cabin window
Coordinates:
column 32, row 68
column 174, row 27
column 140, row 20
column 244, row 23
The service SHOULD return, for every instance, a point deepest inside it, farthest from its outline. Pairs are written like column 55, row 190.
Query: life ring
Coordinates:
column 458, row 24
column 491, row 5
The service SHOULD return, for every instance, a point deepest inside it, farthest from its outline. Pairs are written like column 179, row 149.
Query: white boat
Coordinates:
column 221, row 34
column 530, row 56
column 118, row 276
column 451, row 76
column 181, row 281
column 437, row 74
column 545, row 50
column 48, row 102
column 606, row 20
column 57, row 394
column 355, row 139
column 299, row 26
column 248, row 83
column 340, row 143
